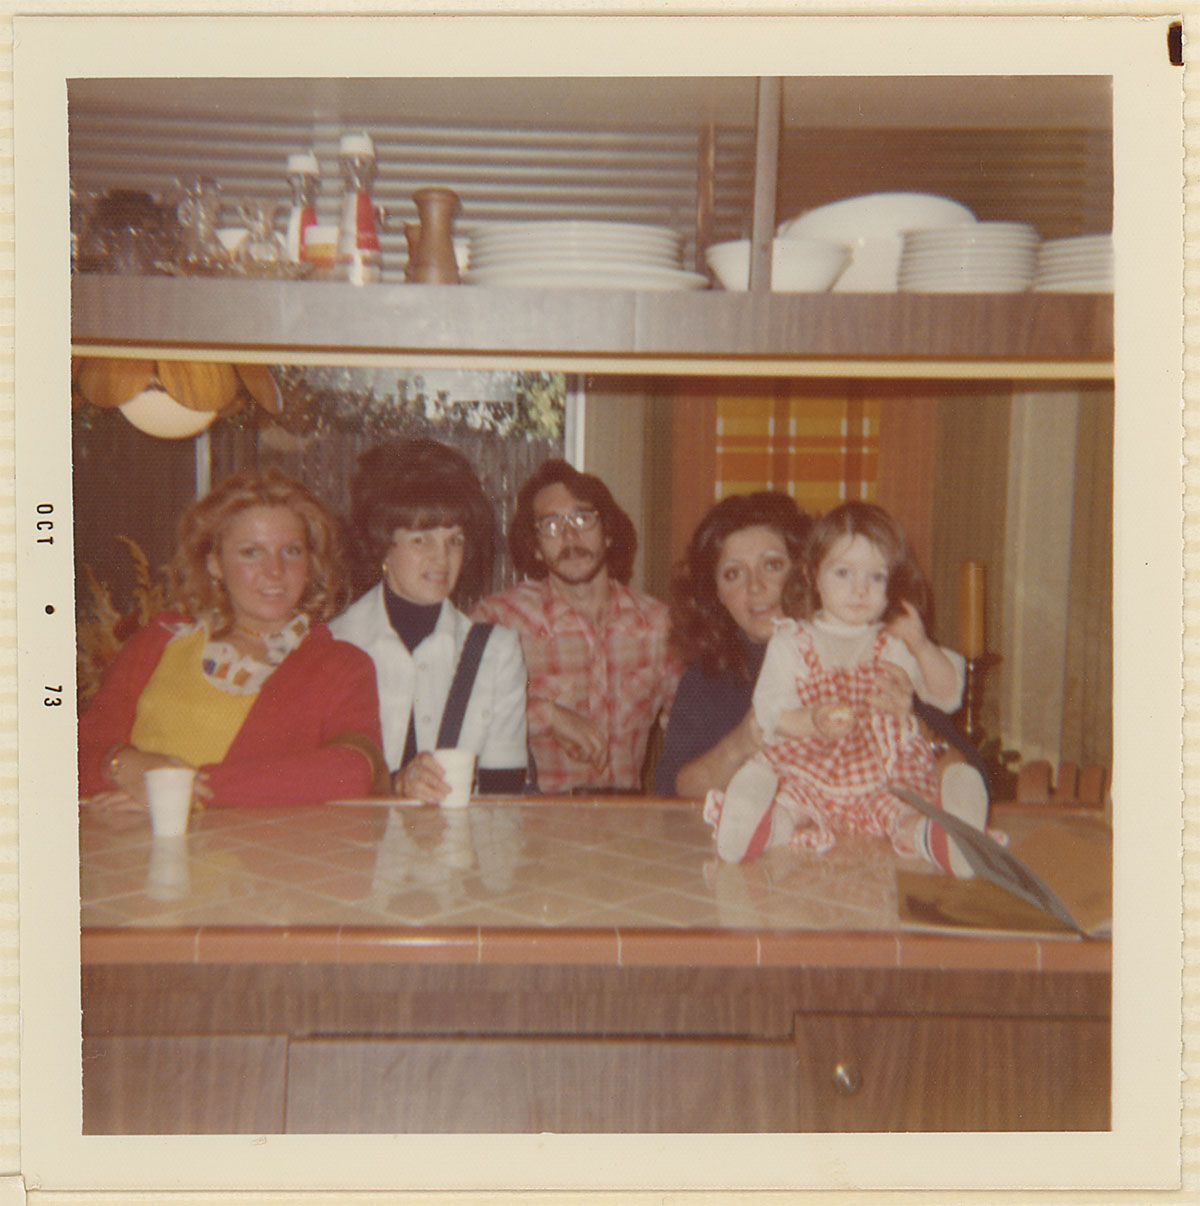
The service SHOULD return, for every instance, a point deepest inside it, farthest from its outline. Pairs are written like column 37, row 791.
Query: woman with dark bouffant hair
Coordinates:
column 420, row 485
column 426, row 529
column 241, row 679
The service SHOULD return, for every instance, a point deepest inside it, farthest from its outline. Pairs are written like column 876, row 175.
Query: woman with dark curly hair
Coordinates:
column 725, row 598
column 427, row 530
column 241, row 679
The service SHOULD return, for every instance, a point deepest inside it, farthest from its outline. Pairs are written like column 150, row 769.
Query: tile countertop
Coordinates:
column 626, row 881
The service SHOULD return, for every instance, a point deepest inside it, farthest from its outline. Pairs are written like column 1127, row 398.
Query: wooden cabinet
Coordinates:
column 524, row 1048
column 948, row 1073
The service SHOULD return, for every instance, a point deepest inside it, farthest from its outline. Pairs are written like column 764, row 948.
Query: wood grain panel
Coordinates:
column 184, row 1085
column 907, row 462
column 694, row 465
column 512, row 999
column 1059, row 180
column 1033, row 326
column 953, row 1074
column 1087, row 689
column 463, row 1085
column 970, row 517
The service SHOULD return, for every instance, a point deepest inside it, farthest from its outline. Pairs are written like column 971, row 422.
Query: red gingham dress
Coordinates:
column 837, row 787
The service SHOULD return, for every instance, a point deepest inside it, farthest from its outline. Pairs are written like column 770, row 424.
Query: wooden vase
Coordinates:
column 432, row 260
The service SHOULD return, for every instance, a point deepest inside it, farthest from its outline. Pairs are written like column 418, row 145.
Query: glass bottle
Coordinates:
column 359, row 260
column 304, row 174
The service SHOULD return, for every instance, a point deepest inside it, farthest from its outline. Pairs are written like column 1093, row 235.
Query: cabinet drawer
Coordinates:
column 183, row 1084
column 456, row 1084
column 946, row 1073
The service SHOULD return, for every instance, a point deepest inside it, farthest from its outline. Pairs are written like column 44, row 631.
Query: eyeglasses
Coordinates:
column 553, row 526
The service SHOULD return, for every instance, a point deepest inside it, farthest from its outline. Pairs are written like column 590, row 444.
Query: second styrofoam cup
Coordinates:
column 459, row 768
column 169, row 790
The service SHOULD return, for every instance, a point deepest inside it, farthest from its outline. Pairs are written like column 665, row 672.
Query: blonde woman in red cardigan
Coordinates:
column 241, row 678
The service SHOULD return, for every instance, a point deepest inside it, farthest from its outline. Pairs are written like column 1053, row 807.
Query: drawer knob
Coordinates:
column 847, row 1078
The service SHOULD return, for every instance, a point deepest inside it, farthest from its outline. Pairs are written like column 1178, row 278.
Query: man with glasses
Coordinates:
column 600, row 670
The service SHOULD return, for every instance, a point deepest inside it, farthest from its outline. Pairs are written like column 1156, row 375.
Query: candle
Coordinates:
column 970, row 610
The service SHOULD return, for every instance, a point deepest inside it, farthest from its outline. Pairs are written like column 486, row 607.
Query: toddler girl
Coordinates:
column 829, row 751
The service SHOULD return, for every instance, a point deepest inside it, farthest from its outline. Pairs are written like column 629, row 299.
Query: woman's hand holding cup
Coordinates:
column 422, row 779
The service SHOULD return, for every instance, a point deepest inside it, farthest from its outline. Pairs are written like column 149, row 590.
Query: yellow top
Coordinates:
column 182, row 714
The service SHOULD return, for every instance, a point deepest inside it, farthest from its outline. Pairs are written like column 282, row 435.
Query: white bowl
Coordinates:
column 876, row 215
column 797, row 265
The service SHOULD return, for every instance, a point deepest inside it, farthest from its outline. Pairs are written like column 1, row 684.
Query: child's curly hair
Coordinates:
column 906, row 582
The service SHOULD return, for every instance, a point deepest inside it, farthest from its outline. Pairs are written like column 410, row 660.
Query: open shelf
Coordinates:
column 998, row 334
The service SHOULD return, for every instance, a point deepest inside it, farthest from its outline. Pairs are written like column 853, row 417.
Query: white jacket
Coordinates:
column 417, row 684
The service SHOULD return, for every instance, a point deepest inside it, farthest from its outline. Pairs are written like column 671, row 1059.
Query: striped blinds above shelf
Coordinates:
column 646, row 176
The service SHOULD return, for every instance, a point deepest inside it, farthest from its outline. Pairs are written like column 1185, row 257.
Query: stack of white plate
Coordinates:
column 872, row 226
column 989, row 257
column 578, row 255
column 1079, row 265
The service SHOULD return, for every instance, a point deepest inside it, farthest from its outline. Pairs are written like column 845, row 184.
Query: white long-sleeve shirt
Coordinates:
column 837, row 645
column 418, row 684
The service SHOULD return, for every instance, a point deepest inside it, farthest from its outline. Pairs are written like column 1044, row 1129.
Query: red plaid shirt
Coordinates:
column 621, row 675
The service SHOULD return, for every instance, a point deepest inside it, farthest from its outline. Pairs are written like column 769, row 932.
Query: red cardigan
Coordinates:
column 286, row 751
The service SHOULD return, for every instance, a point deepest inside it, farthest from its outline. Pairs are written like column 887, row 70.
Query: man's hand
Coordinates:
column 579, row 736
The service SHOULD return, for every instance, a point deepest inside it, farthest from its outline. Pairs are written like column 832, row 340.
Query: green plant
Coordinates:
column 102, row 629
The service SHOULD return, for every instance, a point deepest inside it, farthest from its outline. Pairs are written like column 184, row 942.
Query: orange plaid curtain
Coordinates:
column 821, row 451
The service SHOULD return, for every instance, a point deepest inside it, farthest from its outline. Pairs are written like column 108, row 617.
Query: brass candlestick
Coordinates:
column 973, row 695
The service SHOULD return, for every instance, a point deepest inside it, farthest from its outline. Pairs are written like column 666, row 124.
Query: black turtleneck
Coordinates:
column 413, row 622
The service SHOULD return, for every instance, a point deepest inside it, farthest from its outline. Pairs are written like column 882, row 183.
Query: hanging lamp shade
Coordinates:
column 200, row 385
column 260, row 384
column 156, row 413
column 202, row 388
column 105, row 381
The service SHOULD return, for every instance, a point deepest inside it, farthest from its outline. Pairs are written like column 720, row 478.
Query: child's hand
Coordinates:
column 908, row 628
column 833, row 721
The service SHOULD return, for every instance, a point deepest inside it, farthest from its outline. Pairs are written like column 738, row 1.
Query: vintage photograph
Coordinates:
column 597, row 603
